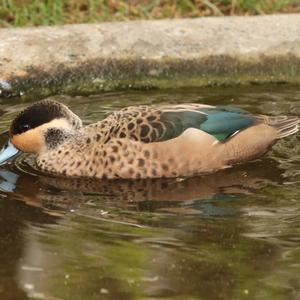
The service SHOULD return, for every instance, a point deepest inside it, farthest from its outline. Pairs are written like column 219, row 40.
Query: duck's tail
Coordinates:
column 285, row 125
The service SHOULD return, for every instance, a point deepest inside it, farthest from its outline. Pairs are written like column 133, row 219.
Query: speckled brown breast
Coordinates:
column 192, row 153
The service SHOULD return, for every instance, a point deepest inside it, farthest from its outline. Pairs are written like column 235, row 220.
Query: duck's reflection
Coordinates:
column 44, row 197
column 171, row 195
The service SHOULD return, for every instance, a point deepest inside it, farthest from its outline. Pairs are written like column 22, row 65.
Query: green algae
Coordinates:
column 110, row 74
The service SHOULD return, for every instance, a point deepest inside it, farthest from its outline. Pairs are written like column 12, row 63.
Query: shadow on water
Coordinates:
column 229, row 235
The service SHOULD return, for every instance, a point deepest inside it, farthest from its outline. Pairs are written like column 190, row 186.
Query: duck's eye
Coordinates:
column 25, row 127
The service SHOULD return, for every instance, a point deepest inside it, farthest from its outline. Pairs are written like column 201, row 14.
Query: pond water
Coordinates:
column 231, row 235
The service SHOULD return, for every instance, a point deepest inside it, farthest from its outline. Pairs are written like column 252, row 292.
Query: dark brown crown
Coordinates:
column 37, row 114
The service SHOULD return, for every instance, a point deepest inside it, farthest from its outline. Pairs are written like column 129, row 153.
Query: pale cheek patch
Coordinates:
column 30, row 141
column 33, row 141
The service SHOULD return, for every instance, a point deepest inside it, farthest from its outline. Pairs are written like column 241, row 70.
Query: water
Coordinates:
column 231, row 235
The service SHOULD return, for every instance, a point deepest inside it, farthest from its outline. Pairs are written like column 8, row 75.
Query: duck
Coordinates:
column 179, row 140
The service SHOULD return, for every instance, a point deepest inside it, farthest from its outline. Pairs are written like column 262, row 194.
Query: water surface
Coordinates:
column 231, row 235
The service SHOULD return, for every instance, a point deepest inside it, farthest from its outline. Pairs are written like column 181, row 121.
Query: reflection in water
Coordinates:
column 14, row 216
column 165, row 195
column 229, row 235
column 165, row 272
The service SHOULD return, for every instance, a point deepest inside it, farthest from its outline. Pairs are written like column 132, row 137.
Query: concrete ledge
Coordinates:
column 90, row 58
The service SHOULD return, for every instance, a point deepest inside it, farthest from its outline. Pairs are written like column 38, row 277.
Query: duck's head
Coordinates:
column 41, row 126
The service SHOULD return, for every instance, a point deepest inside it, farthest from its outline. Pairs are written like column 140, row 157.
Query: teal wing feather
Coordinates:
column 221, row 122
column 176, row 123
column 153, row 124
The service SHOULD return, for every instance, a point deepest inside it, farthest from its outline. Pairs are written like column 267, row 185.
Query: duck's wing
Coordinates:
column 155, row 124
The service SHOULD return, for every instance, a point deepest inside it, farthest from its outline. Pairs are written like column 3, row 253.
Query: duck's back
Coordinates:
column 176, row 140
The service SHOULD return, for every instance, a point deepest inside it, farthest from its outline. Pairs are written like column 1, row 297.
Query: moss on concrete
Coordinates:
column 105, row 75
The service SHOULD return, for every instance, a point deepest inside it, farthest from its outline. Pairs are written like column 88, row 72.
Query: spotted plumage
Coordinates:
column 145, row 141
